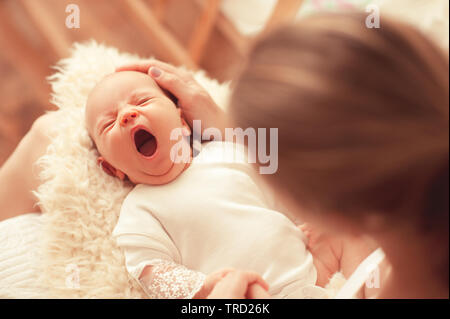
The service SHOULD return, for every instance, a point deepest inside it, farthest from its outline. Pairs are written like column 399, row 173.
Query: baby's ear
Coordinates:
column 109, row 169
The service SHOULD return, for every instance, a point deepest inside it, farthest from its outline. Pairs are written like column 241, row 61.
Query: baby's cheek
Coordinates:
column 110, row 149
column 118, row 142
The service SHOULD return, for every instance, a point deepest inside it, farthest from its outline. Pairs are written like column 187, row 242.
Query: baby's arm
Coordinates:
column 151, row 256
column 168, row 280
column 176, row 281
column 164, row 279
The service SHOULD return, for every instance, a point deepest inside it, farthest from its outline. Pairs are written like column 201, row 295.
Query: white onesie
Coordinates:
column 213, row 216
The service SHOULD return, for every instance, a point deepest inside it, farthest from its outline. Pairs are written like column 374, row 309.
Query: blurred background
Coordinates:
column 213, row 35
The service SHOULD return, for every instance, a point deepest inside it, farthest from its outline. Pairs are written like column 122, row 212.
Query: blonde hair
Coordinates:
column 362, row 116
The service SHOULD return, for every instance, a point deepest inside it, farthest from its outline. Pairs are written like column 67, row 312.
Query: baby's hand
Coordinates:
column 326, row 251
column 313, row 235
column 210, row 282
column 238, row 284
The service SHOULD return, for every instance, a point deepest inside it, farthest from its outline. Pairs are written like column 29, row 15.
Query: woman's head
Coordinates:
column 362, row 117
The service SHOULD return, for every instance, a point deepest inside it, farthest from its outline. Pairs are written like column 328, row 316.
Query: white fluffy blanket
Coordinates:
column 81, row 204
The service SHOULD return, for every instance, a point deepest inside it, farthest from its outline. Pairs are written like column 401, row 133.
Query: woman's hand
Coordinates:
column 239, row 284
column 210, row 282
column 193, row 99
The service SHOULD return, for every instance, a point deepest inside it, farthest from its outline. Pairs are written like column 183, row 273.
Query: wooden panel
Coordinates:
column 33, row 37
column 203, row 29
column 169, row 47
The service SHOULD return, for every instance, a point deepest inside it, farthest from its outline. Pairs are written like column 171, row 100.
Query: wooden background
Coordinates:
column 33, row 37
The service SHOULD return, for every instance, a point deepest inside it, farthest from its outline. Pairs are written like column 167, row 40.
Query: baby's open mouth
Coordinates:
column 145, row 142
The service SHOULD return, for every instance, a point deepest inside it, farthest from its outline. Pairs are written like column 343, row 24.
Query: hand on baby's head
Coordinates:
column 133, row 123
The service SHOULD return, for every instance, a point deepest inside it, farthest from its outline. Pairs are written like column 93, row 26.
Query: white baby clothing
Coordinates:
column 213, row 216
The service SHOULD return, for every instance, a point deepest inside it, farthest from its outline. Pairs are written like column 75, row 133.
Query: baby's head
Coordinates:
column 130, row 119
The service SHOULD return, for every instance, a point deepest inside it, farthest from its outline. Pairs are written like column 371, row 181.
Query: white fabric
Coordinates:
column 361, row 275
column 19, row 246
column 214, row 216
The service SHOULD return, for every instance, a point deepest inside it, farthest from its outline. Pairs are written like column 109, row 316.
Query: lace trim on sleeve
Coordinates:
column 169, row 280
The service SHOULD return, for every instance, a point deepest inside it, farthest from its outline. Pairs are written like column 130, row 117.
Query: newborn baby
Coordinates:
column 186, row 220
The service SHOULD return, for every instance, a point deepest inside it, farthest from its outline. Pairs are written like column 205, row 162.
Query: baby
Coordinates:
column 185, row 220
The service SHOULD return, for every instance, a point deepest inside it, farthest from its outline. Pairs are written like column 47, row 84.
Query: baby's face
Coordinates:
column 130, row 120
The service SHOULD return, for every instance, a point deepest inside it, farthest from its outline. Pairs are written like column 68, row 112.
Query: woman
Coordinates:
column 362, row 116
column 363, row 137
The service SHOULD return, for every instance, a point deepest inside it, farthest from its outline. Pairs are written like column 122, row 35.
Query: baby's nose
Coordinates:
column 127, row 117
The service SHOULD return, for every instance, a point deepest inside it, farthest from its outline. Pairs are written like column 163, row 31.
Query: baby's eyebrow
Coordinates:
column 133, row 97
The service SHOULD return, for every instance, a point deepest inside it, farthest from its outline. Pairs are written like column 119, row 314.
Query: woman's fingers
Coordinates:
column 166, row 67
column 253, row 278
column 210, row 282
column 167, row 76
column 144, row 67
column 255, row 291
column 172, row 83
column 235, row 285
column 139, row 67
column 190, row 96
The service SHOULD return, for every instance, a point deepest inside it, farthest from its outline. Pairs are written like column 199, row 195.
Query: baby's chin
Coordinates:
column 176, row 170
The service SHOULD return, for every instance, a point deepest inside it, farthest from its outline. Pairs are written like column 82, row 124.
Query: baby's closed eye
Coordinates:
column 143, row 101
column 108, row 124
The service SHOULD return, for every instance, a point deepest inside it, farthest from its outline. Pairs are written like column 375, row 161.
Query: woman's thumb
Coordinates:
column 169, row 83
column 154, row 72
